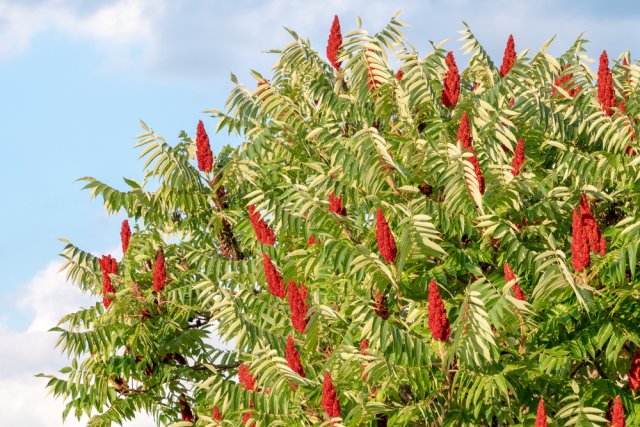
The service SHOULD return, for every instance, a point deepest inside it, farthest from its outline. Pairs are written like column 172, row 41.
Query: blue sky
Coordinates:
column 76, row 76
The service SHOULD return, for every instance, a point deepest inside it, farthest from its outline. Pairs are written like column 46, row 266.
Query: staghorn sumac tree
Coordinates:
column 459, row 247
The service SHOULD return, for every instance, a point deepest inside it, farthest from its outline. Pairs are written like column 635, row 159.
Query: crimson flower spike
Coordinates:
column 606, row 93
column 464, row 136
column 518, row 158
column 274, row 279
column 335, row 205
column 451, row 84
column 438, row 322
column 509, row 276
column 203, row 149
column 334, row 44
column 541, row 415
column 509, row 58
column 125, row 235
column 245, row 378
column 216, row 416
column 264, row 233
column 293, row 358
column 159, row 273
column 330, row 402
column 579, row 245
column 298, row 306
column 386, row 242
column 108, row 265
column 617, row 414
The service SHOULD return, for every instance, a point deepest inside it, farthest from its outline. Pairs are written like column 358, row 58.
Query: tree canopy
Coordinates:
column 396, row 239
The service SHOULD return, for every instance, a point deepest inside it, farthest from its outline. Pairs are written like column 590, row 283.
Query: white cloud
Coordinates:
column 25, row 401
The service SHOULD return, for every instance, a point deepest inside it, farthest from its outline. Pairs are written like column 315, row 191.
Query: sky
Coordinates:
column 76, row 76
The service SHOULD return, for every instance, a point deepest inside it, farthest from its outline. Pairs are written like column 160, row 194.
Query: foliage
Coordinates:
column 375, row 140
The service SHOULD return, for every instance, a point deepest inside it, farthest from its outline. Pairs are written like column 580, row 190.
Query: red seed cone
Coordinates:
column 564, row 81
column 364, row 345
column 451, row 84
column 518, row 158
column 634, row 372
column 216, row 416
column 311, row 241
column 509, row 276
column 203, row 149
column 125, row 235
column 596, row 242
column 399, row 75
column 386, row 242
column 606, row 93
column 335, row 205
column 159, row 273
column 380, row 305
column 330, row 402
column 464, row 136
column 274, row 279
column 579, row 244
column 185, row 409
column 334, row 44
column 541, row 415
column 108, row 265
column 509, row 57
column 245, row 378
column 298, row 306
column 264, row 233
column 293, row 357
column 617, row 414
column 438, row 322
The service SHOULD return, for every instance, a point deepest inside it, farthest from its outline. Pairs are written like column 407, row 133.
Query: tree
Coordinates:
column 422, row 247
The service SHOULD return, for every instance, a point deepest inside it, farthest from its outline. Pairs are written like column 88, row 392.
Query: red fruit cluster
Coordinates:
column 335, row 205
column 451, row 84
column 330, row 402
column 399, row 75
column 541, row 415
column 464, row 136
column 185, row 409
column 364, row 345
column 509, row 57
column 125, row 235
column 247, row 417
column 586, row 236
column 597, row 242
column 617, row 414
column 380, row 305
column 311, row 241
column 203, row 149
column 216, row 416
column 518, row 158
column 293, row 357
column 634, row 372
column 245, row 378
column 438, row 322
column 386, row 242
column 274, row 279
column 159, row 273
column 298, row 306
column 606, row 93
column 509, row 276
column 264, row 233
column 564, row 81
column 108, row 265
column 334, row 44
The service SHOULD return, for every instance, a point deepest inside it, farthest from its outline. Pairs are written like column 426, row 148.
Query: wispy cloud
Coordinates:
column 205, row 40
